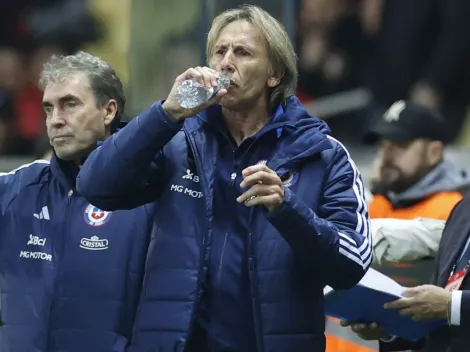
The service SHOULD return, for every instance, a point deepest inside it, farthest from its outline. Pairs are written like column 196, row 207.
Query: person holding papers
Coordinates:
column 414, row 188
column 448, row 297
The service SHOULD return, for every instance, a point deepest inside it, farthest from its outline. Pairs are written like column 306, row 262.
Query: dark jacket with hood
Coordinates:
column 319, row 235
column 70, row 273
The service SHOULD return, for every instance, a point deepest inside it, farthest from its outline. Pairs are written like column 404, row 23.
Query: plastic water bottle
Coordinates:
column 192, row 93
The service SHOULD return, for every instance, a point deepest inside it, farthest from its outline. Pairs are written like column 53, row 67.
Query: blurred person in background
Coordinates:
column 414, row 190
column 329, row 37
column 394, row 241
column 245, row 241
column 419, row 51
column 30, row 32
column 70, row 273
column 397, row 50
column 446, row 298
column 411, row 177
column 329, row 41
column 411, row 180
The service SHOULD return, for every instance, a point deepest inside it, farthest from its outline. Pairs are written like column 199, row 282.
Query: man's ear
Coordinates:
column 275, row 78
column 273, row 82
column 110, row 109
column 435, row 152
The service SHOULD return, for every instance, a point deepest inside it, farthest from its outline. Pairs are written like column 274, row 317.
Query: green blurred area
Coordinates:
column 145, row 40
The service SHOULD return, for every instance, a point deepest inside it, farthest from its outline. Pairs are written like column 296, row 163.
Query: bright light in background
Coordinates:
column 114, row 46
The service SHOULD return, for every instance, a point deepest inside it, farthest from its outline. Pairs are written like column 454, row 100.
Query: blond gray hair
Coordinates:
column 102, row 78
column 280, row 49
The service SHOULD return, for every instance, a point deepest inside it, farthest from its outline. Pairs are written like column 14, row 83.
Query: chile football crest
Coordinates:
column 288, row 179
column 94, row 216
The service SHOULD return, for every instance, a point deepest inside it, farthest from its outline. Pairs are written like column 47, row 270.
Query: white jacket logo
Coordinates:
column 94, row 243
column 393, row 113
column 43, row 214
column 36, row 241
column 191, row 176
column 185, row 190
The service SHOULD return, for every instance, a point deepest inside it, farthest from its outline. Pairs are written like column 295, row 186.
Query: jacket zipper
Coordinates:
column 204, row 240
column 58, row 263
column 251, row 265
column 251, row 270
column 254, row 293
column 233, row 176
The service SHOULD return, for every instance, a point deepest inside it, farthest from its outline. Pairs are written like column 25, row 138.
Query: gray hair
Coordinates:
column 103, row 79
column 281, row 51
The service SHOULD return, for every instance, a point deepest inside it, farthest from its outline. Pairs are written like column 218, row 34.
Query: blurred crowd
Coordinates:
column 30, row 32
column 412, row 50
column 398, row 49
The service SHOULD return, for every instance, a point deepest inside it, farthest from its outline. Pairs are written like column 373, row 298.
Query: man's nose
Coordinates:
column 56, row 119
column 389, row 155
column 226, row 64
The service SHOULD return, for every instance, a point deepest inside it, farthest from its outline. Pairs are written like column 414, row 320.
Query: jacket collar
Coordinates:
column 64, row 171
column 303, row 134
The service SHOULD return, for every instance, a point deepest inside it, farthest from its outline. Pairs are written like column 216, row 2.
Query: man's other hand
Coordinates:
column 371, row 331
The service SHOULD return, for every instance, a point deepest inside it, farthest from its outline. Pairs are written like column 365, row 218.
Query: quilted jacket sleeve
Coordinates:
column 125, row 171
column 11, row 183
column 335, row 241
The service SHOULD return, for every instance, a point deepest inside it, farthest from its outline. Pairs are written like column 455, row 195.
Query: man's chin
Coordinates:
column 65, row 154
column 227, row 101
column 396, row 187
column 235, row 104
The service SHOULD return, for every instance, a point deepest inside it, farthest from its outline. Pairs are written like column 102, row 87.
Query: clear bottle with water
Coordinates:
column 192, row 93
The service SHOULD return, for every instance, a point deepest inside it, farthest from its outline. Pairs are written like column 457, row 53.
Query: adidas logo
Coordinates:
column 43, row 214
